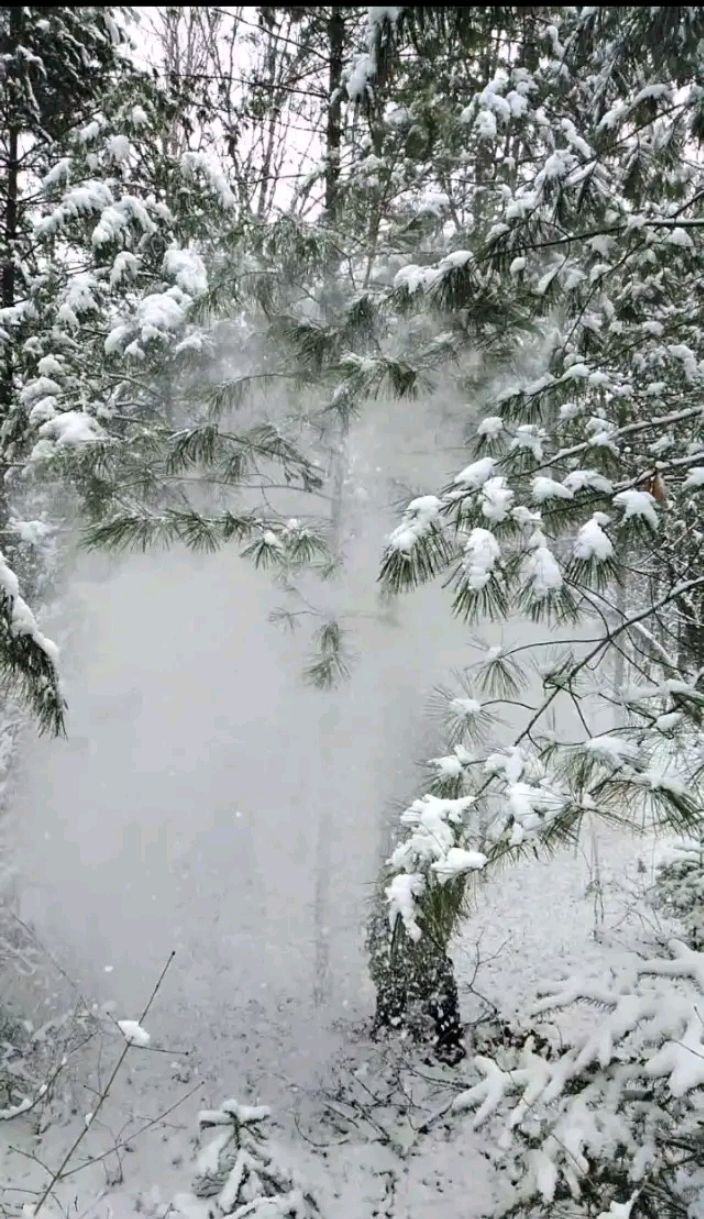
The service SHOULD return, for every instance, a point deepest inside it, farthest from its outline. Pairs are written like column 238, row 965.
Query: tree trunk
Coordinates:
column 415, row 986
column 333, row 133
column 329, row 725
column 11, row 201
column 9, row 237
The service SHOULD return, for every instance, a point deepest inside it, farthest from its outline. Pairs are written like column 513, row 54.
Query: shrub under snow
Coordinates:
column 237, row 1175
column 604, row 1116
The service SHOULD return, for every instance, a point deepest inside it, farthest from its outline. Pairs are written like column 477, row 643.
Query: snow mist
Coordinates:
column 184, row 809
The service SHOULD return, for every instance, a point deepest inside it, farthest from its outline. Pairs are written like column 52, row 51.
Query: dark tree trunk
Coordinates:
column 11, row 190
column 415, row 987
column 333, row 134
column 10, row 222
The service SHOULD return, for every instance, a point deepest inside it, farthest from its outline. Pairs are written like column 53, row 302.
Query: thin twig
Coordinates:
column 122, row 1143
column 60, row 1171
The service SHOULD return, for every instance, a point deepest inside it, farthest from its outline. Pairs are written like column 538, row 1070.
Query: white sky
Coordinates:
column 301, row 151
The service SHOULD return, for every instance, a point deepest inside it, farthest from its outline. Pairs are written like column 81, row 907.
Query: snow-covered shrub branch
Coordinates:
column 238, row 1175
column 604, row 1118
column 28, row 660
column 679, row 887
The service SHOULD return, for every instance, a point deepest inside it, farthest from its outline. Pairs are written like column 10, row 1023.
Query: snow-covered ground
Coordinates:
column 537, row 921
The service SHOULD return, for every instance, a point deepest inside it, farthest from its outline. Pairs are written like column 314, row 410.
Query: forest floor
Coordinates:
column 347, row 1111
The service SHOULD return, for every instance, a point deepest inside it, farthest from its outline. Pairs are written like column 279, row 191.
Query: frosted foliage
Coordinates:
column 456, row 862
column 362, row 72
column 118, row 217
column 476, row 474
column 548, row 488
column 402, row 894
column 441, row 835
column 578, row 480
column 68, row 428
column 20, row 619
column 543, row 572
column 638, row 504
column 239, row 1174
column 420, row 517
column 592, row 543
column 481, row 555
column 195, row 164
column 79, row 201
column 611, row 1094
column 679, row 888
column 125, row 267
column 160, row 313
column 187, row 269
column 576, row 503
column 491, row 426
column 496, row 500
column 360, row 76
column 110, row 235
column 435, row 849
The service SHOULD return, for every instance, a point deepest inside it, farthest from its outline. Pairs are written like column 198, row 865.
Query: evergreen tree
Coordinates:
column 54, row 63
column 604, row 1121
column 239, row 1174
column 583, row 469
column 114, row 334
column 679, row 888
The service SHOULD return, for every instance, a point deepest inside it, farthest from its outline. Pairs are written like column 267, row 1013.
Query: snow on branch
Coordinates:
column 601, row 1104
column 29, row 658
column 239, row 1174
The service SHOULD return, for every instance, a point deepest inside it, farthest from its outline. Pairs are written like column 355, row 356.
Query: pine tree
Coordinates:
column 424, row 889
column 679, row 888
column 583, row 468
column 115, row 332
column 441, row 193
column 238, row 1172
column 54, row 63
column 607, row 1117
